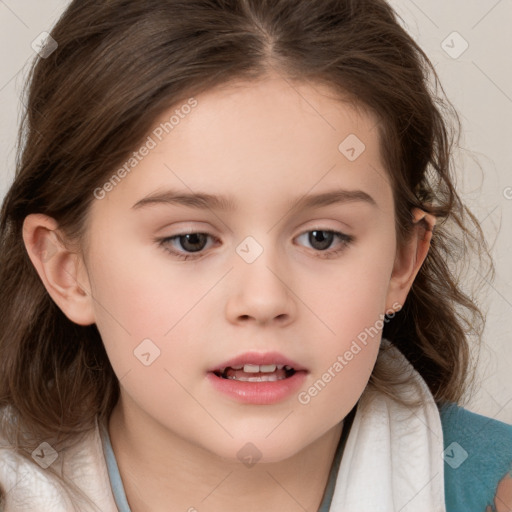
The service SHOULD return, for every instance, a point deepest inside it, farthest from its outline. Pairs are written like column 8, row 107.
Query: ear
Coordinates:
column 410, row 258
column 61, row 270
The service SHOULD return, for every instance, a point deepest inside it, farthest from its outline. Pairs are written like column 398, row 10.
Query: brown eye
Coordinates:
column 184, row 246
column 192, row 242
column 321, row 240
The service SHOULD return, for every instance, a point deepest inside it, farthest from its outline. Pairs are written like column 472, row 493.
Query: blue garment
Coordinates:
column 113, row 471
column 477, row 455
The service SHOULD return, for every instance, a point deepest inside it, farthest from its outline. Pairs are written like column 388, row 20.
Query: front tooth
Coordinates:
column 272, row 377
column 268, row 368
column 280, row 366
column 251, row 368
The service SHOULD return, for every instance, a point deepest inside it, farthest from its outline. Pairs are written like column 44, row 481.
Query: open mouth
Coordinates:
column 256, row 373
column 258, row 378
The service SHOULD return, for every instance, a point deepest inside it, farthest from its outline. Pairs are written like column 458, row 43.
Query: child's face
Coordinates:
column 259, row 283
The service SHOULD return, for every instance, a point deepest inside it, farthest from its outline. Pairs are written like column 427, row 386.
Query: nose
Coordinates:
column 260, row 292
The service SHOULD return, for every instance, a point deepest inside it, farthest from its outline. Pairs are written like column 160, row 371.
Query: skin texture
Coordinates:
column 503, row 496
column 266, row 144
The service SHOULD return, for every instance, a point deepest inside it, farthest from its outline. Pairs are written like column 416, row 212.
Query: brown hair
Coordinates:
column 118, row 66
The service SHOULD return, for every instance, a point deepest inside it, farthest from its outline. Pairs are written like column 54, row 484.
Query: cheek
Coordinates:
column 148, row 323
column 136, row 299
column 350, row 296
column 350, row 301
column 135, row 284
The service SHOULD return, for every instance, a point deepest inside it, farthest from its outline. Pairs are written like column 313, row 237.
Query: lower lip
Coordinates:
column 258, row 393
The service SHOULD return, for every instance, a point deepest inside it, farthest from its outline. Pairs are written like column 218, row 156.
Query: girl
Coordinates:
column 228, row 269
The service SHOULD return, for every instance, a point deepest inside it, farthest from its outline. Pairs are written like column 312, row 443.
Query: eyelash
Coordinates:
column 346, row 241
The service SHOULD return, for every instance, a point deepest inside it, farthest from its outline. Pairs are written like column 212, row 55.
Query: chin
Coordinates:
column 251, row 450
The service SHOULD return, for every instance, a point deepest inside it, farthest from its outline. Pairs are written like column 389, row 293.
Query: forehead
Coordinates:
column 259, row 142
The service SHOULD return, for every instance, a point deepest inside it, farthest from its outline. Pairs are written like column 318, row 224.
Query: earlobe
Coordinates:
column 410, row 258
column 59, row 268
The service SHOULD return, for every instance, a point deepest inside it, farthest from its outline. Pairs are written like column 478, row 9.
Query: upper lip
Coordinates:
column 258, row 358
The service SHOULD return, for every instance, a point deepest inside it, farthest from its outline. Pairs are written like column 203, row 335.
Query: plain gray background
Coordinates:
column 478, row 81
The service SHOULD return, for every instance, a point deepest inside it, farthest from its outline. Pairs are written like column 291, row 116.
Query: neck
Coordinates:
column 161, row 471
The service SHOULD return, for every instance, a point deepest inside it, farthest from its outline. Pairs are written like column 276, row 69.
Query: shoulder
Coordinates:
column 31, row 480
column 477, row 460
column 55, row 479
column 25, row 486
column 25, row 483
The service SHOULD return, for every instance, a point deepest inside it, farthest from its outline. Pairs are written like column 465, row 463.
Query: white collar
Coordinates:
column 392, row 459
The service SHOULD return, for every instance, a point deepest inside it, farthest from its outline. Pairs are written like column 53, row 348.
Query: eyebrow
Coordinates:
column 205, row 201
